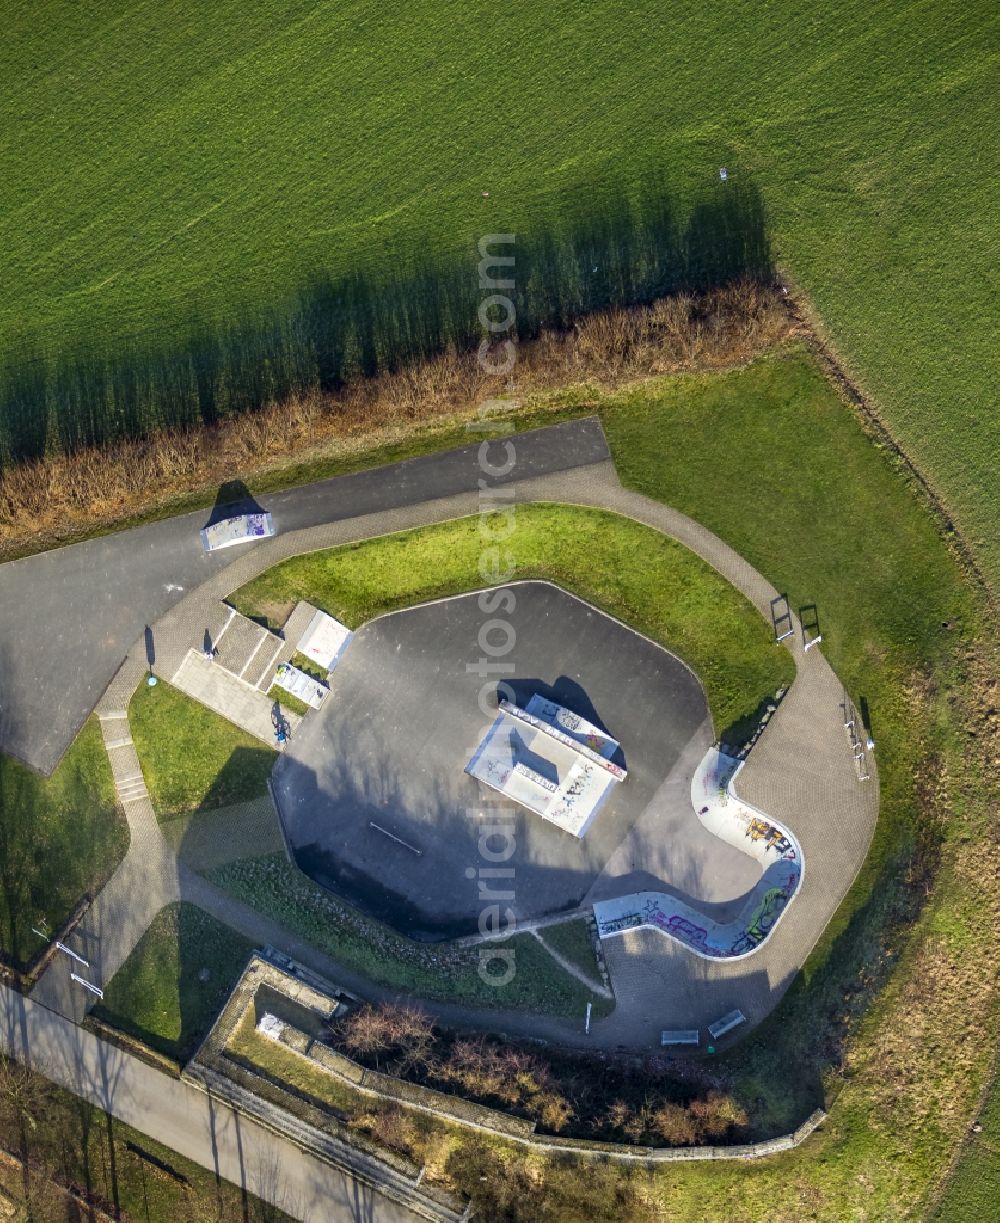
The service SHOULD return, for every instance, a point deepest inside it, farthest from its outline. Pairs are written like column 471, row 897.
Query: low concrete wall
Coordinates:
column 454, row 1109
column 242, row 1091
column 213, row 1058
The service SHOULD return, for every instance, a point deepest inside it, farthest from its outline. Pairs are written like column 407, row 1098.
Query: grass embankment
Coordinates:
column 425, row 970
column 193, row 759
column 973, row 1189
column 574, row 941
column 860, row 124
column 170, row 989
column 627, row 569
column 60, row 837
column 886, row 1020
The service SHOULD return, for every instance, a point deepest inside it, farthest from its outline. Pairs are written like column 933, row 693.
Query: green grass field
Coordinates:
column 158, row 995
column 574, row 942
column 192, row 759
column 164, row 159
column 974, row 1188
column 625, row 568
column 60, row 837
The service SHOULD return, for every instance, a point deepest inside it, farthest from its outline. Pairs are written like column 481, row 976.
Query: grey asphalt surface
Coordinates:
column 403, row 718
column 69, row 616
column 187, row 1120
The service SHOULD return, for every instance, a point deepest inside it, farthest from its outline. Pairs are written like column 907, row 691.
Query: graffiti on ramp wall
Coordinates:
column 740, row 825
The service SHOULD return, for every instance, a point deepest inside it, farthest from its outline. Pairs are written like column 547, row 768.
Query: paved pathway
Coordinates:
column 185, row 1119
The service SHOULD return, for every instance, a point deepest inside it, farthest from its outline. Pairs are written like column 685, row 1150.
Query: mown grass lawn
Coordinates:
column 191, row 758
column 171, row 160
column 60, row 837
column 627, row 569
column 158, row 995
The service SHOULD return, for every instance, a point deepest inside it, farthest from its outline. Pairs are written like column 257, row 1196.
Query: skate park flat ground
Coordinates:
column 403, row 718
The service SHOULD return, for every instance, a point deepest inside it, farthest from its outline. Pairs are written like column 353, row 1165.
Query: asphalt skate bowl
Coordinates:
column 373, row 792
column 718, row 808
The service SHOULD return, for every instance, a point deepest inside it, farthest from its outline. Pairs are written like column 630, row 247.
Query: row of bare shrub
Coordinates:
column 564, row 1093
column 61, row 496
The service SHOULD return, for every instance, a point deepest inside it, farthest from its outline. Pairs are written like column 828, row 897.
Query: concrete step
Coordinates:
column 221, row 691
column 261, row 669
column 111, row 744
column 240, row 644
column 124, row 758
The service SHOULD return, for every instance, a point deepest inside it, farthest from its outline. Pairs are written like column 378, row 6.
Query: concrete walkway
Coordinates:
column 190, row 1122
column 228, row 696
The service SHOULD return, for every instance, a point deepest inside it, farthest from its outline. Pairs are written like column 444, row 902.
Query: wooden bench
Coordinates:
column 726, row 1024
column 680, row 1036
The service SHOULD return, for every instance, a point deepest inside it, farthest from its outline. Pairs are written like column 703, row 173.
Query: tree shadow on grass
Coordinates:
column 241, row 779
column 182, row 968
column 804, row 1040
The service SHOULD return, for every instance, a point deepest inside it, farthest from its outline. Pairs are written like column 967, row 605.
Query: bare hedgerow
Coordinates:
column 717, row 1115
column 380, row 1029
column 674, row 1124
column 393, row 1129
column 554, row 1111
column 56, row 497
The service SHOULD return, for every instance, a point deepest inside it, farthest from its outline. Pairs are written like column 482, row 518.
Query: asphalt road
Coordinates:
column 68, row 617
column 186, row 1119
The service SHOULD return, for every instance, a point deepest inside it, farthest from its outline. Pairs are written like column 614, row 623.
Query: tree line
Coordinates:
column 621, row 252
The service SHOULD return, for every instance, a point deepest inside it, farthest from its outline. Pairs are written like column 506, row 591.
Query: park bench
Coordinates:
column 680, row 1036
column 726, row 1024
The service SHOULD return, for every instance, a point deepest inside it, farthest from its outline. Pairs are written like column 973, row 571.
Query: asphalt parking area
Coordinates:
column 390, row 745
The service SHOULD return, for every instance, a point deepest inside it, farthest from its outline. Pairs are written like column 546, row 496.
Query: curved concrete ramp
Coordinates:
column 752, row 832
